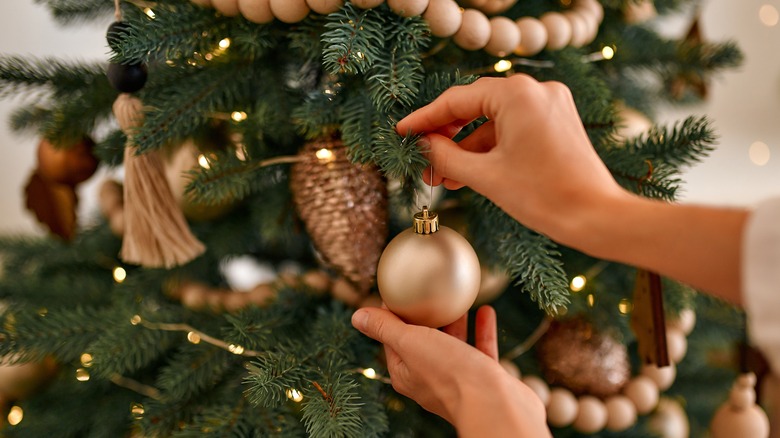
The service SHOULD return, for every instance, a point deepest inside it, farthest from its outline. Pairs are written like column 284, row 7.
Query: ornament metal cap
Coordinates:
column 426, row 221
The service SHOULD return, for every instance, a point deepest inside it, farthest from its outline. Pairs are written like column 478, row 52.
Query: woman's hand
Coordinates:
column 464, row 385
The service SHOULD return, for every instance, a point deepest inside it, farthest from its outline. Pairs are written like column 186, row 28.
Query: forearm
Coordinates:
column 699, row 246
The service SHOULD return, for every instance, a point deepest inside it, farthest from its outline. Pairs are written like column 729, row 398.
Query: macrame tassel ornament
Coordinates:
column 156, row 234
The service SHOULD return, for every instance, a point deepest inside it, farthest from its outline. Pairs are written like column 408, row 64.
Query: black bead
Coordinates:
column 114, row 34
column 127, row 78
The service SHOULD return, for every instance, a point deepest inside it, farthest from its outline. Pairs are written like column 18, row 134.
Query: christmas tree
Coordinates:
column 258, row 136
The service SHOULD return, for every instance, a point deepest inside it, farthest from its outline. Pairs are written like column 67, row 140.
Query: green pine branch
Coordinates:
column 353, row 40
column 69, row 12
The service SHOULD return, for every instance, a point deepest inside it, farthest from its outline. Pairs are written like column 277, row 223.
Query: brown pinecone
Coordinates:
column 575, row 356
column 344, row 208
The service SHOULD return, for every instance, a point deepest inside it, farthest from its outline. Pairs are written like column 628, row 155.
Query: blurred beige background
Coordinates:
column 745, row 104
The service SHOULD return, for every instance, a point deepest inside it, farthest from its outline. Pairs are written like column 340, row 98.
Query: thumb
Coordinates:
column 379, row 324
column 452, row 162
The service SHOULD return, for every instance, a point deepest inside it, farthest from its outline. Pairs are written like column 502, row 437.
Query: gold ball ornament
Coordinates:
column 574, row 355
column 558, row 28
column 67, row 164
column 256, row 11
column 562, row 408
column 408, row 8
column 325, row 6
column 621, row 413
column 740, row 416
column 474, row 32
column 444, row 17
column 428, row 275
column 591, row 415
column 290, row 11
column 533, row 36
column 228, row 8
column 504, row 36
column 670, row 421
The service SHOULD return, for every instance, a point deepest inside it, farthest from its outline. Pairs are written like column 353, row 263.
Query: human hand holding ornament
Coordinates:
column 463, row 384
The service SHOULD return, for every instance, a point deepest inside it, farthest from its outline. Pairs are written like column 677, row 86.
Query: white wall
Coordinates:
column 745, row 105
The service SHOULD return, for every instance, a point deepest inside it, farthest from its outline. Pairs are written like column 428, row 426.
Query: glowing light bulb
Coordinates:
column 150, row 13
column 608, row 52
column 294, row 395
column 759, row 153
column 120, row 274
column 502, row 66
column 135, row 320
column 15, row 416
column 591, row 300
column 193, row 337
column 203, row 162
column 369, row 373
column 768, row 15
column 578, row 283
column 325, row 155
column 238, row 116
column 236, row 349
column 625, row 307
column 86, row 360
column 224, row 43
column 82, row 375
column 137, row 410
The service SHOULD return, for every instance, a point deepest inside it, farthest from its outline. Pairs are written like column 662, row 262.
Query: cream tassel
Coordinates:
column 156, row 232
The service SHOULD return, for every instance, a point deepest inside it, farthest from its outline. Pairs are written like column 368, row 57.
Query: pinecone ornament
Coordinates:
column 344, row 208
column 574, row 355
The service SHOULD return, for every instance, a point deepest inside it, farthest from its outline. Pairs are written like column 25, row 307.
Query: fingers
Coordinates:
column 456, row 105
column 459, row 329
column 452, row 163
column 482, row 139
column 486, row 337
column 379, row 324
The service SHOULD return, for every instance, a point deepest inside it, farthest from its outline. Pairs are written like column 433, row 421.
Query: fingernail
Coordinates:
column 424, row 143
column 360, row 319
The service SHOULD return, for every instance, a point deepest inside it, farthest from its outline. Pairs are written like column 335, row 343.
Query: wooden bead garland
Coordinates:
column 470, row 27
column 589, row 414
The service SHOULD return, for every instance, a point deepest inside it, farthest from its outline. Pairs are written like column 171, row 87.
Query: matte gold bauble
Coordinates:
column 68, row 164
column 573, row 354
column 428, row 275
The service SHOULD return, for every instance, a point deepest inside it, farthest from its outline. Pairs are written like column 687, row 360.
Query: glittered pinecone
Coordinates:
column 574, row 355
column 344, row 208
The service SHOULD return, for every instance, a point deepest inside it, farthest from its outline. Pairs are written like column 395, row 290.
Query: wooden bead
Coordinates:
column 685, row 321
column 193, row 296
column 367, row 4
column 539, row 387
column 235, row 301
column 290, row 11
column 325, row 6
column 504, row 36
column 256, row 11
column 562, row 409
column 677, row 344
column 591, row 415
column 261, row 294
column 510, row 368
column 408, row 8
column 621, row 413
column 116, row 222
column 228, row 8
column 444, row 17
column 643, row 393
column 533, row 36
column 558, row 30
column 670, row 420
column 474, row 32
column 493, row 7
column 317, row 280
column 592, row 7
column 663, row 376
column 345, row 292
column 579, row 29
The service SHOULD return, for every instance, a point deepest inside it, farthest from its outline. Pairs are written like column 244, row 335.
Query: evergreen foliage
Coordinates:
column 351, row 76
